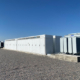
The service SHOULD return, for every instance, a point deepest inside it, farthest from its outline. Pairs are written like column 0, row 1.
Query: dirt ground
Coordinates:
column 22, row 66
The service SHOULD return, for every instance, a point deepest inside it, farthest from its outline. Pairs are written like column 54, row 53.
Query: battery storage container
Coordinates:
column 39, row 44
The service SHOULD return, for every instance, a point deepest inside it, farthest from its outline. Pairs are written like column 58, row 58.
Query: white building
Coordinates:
column 41, row 44
column 70, row 43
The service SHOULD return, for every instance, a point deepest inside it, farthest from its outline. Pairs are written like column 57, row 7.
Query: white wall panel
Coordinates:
column 65, row 45
column 70, row 45
column 74, row 45
column 36, row 45
column 10, row 45
column 42, row 46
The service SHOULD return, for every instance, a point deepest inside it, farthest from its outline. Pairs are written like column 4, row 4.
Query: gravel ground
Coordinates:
column 22, row 66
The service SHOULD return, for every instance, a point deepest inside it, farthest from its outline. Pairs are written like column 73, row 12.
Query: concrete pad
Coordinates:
column 65, row 57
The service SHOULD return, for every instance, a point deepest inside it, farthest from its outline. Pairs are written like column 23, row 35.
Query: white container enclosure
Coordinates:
column 76, row 45
column 41, row 44
column 70, row 43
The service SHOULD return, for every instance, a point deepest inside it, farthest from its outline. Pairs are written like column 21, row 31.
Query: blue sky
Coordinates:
column 21, row 18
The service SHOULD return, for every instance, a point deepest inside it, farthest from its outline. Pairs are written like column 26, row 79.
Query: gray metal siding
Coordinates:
column 61, row 45
column 57, row 44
